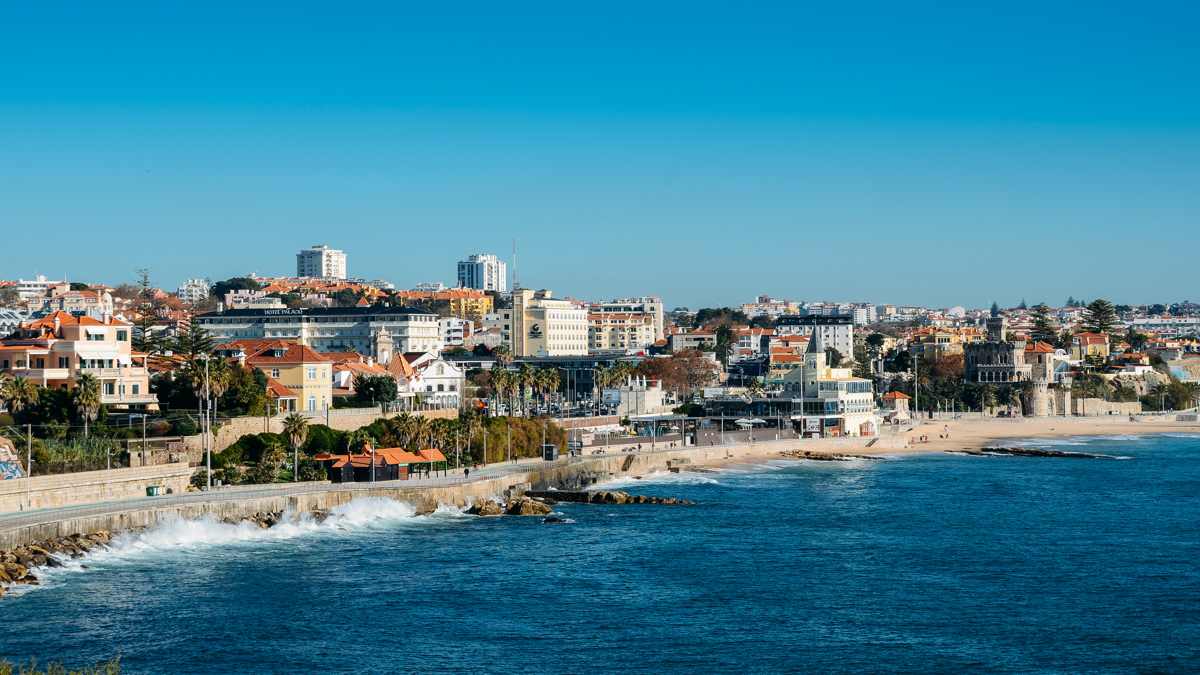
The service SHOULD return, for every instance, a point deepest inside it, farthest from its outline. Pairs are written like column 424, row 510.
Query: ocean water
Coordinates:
column 936, row 563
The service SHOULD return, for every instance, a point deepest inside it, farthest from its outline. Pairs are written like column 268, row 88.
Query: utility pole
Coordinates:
column 143, row 441
column 207, row 426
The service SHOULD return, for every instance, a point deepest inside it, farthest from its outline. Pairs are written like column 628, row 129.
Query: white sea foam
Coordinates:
column 181, row 536
column 656, row 478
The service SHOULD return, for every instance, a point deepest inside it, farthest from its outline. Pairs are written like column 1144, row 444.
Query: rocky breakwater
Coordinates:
column 18, row 565
column 823, row 456
column 605, row 497
column 1032, row 452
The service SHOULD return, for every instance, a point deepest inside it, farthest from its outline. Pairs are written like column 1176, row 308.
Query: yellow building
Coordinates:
column 291, row 368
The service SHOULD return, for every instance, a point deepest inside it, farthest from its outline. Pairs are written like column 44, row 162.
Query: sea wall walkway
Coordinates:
column 495, row 480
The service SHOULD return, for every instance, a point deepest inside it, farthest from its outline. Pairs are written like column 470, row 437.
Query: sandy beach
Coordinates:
column 968, row 433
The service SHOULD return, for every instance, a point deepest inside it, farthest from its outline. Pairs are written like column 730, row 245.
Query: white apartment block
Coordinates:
column 484, row 272
column 366, row 330
column 646, row 305
column 765, row 305
column 620, row 331
column 194, row 290
column 36, row 288
column 321, row 262
column 835, row 331
column 547, row 326
column 454, row 331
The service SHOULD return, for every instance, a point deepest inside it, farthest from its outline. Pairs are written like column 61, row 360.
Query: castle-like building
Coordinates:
column 1017, row 361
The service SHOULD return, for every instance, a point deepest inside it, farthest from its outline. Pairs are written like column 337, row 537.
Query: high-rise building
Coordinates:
column 321, row 262
column 483, row 271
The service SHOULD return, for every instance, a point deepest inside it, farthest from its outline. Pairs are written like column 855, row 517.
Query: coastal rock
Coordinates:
column 1032, row 452
column 487, row 507
column 527, row 507
column 823, row 456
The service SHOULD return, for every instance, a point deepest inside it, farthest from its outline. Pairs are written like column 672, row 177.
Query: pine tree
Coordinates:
column 1044, row 327
column 1022, row 305
column 143, row 334
column 1100, row 316
column 995, row 309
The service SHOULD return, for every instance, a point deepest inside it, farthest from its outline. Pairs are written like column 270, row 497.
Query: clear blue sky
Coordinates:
column 707, row 152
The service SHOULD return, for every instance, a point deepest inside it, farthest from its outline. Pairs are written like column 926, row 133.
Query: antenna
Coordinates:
column 516, row 275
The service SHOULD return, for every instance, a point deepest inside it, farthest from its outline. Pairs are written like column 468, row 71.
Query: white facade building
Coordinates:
column 194, row 290
column 484, row 272
column 546, row 326
column 833, row 401
column 454, row 331
column 502, row 321
column 835, row 331
column 649, row 305
column 366, row 330
column 36, row 288
column 321, row 262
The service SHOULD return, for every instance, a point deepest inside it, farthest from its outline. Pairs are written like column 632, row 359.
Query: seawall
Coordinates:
column 568, row 473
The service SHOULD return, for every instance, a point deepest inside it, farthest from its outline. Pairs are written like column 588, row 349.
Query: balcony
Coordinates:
column 41, row 374
column 128, row 399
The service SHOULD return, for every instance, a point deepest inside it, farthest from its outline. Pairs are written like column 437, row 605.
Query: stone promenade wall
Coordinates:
column 89, row 487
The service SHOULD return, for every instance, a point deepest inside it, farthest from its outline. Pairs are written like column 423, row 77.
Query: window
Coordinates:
column 64, row 362
column 312, row 372
column 136, row 389
column 123, row 335
column 275, row 372
column 109, row 389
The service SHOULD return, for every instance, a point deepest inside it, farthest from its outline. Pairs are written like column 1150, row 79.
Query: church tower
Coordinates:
column 381, row 347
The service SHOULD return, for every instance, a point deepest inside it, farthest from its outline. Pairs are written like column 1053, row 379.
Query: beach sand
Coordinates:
column 967, row 433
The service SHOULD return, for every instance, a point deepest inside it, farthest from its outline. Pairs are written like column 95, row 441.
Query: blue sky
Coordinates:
column 707, row 152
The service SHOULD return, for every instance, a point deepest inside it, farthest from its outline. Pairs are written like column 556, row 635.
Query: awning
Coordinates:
column 96, row 351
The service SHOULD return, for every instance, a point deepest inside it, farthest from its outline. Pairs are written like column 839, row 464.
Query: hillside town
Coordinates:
column 94, row 375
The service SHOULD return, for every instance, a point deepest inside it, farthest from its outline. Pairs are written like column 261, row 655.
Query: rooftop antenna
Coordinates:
column 516, row 276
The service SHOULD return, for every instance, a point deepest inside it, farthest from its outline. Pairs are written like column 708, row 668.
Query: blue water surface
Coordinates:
column 929, row 563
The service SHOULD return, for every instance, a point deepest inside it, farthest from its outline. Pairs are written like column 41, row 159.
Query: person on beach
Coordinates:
column 466, row 472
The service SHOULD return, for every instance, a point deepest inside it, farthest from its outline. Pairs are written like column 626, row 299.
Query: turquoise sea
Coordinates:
column 938, row 563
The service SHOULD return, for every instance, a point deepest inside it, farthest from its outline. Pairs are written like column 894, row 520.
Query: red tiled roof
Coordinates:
column 896, row 396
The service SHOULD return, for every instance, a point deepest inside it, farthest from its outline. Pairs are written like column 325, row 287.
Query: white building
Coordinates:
column 430, row 286
column 833, row 401
column 376, row 331
column 454, row 331
column 10, row 320
column 244, row 298
column 649, row 305
column 484, row 272
column 835, row 331
column 321, row 262
column 637, row 396
column 547, row 326
column 37, row 288
column 620, row 331
column 765, row 305
column 194, row 290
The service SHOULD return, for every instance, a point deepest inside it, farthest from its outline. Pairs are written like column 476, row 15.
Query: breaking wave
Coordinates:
column 656, row 478
column 180, row 536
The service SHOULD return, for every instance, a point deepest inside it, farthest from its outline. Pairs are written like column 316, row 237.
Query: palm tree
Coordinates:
column 525, row 381
column 219, row 379
column 421, row 432
column 500, row 382
column 295, row 428
column 356, row 440
column 18, row 393
column 87, row 399
column 550, row 381
column 503, row 355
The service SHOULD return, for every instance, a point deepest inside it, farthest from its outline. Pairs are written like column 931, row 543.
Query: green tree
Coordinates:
column 144, row 337
column 833, row 357
column 1045, row 329
column 193, row 342
column 267, row 469
column 87, row 399
column 1100, row 316
column 724, row 343
column 220, row 288
column 375, row 389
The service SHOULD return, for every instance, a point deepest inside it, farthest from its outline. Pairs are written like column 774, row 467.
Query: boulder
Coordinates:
column 527, row 507
column 487, row 507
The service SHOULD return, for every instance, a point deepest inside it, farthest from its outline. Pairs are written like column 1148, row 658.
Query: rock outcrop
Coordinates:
column 527, row 507
column 607, row 497
column 17, row 566
column 487, row 507
column 823, row 456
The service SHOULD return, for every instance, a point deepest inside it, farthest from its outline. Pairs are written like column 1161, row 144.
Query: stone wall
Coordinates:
column 89, row 487
column 1098, row 407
